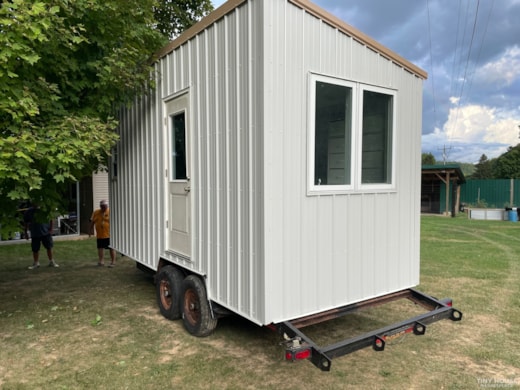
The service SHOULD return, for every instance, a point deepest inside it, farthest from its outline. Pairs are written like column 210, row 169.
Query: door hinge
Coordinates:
column 166, row 224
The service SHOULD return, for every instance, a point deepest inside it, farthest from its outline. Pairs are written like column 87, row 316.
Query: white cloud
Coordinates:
column 454, row 100
column 474, row 123
column 504, row 71
column 472, row 131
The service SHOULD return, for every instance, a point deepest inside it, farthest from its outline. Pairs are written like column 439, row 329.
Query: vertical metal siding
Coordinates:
column 492, row 192
column 268, row 251
column 328, row 250
column 225, row 186
column 136, row 191
column 227, row 239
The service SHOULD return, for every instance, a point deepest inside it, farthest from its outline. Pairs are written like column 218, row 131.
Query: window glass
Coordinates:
column 178, row 136
column 377, row 138
column 332, row 134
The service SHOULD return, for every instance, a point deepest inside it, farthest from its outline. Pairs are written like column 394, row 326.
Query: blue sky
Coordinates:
column 471, row 51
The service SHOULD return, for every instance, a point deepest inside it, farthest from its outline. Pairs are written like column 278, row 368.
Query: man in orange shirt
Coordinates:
column 101, row 221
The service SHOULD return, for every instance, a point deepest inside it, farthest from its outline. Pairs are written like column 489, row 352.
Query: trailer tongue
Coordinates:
column 300, row 347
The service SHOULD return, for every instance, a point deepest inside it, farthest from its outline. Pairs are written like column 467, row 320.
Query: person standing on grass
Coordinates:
column 101, row 221
column 41, row 233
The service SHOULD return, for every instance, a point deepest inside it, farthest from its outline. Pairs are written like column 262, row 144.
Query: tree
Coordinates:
column 175, row 16
column 64, row 66
column 507, row 165
column 428, row 159
column 483, row 169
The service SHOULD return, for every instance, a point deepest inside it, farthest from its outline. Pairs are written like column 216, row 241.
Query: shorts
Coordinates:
column 103, row 243
column 47, row 242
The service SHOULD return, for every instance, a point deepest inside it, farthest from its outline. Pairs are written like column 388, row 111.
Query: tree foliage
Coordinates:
column 175, row 16
column 483, row 169
column 428, row 159
column 64, row 66
column 507, row 165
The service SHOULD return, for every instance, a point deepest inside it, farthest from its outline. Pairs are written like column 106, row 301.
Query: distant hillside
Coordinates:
column 467, row 168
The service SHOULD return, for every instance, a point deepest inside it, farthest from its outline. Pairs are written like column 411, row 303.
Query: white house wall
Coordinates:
column 329, row 250
column 137, row 207
column 269, row 251
column 226, row 160
column 220, row 68
column 99, row 188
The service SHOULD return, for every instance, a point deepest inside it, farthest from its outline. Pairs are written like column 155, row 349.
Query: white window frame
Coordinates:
column 321, row 189
column 385, row 91
column 355, row 186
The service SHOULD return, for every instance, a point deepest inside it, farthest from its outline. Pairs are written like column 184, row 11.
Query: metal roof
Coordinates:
column 312, row 9
column 439, row 170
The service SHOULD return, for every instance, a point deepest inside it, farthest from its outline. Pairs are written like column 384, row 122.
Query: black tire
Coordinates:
column 168, row 288
column 196, row 312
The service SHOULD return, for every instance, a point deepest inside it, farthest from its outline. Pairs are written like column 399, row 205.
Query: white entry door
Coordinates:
column 179, row 224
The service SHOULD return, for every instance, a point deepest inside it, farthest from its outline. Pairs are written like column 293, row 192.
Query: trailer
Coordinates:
column 274, row 173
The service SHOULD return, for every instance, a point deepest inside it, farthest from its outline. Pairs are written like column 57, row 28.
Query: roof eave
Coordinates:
column 312, row 9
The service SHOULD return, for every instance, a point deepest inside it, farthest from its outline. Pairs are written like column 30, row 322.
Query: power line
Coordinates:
column 453, row 76
column 464, row 79
column 481, row 44
column 431, row 63
column 469, row 51
column 444, row 154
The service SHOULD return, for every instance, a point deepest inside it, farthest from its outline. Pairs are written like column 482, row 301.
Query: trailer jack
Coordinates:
column 300, row 347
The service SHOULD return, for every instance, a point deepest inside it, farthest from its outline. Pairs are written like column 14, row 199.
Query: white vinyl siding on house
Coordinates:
column 100, row 189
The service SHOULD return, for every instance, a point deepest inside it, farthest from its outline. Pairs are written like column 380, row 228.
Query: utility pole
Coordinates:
column 445, row 155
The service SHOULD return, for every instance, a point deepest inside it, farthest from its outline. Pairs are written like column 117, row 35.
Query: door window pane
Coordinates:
column 376, row 164
column 332, row 134
column 178, row 156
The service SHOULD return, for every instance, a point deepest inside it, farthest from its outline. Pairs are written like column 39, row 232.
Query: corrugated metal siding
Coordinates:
column 491, row 193
column 269, row 252
column 137, row 192
column 227, row 187
column 328, row 250
column 220, row 69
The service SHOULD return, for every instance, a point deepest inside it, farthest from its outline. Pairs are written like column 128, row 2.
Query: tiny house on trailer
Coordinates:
column 274, row 173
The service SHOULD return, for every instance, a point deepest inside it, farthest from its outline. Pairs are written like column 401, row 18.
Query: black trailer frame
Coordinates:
column 299, row 346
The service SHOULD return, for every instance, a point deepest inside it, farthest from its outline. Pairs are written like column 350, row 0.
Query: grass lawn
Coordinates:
column 82, row 327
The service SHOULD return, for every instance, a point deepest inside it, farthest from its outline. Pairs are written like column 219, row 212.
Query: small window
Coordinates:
column 377, row 125
column 344, row 115
column 178, row 139
column 331, row 133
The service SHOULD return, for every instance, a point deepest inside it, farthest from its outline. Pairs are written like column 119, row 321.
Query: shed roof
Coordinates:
column 309, row 7
column 439, row 172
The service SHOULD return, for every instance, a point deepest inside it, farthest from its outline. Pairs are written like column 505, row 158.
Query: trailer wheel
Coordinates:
column 196, row 312
column 169, row 287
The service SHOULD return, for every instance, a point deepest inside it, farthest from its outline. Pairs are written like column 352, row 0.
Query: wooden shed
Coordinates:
column 440, row 188
column 278, row 161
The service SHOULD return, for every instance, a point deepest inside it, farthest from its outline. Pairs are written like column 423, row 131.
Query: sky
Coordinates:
column 471, row 51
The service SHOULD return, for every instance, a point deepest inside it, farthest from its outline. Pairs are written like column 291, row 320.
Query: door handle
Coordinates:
column 187, row 188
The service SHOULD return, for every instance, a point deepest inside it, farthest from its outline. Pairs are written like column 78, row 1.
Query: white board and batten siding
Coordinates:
column 100, row 189
column 269, row 247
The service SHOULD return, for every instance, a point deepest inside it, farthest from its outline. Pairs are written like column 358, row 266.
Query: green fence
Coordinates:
column 497, row 193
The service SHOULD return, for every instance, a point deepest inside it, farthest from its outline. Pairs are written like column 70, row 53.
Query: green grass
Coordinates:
column 82, row 327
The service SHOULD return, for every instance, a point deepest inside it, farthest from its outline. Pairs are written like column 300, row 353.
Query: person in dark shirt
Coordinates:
column 41, row 233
